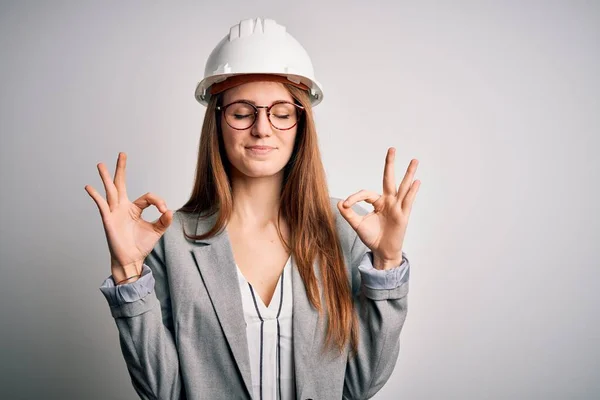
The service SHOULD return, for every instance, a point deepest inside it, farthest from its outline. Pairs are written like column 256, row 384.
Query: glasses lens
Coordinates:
column 240, row 115
column 283, row 115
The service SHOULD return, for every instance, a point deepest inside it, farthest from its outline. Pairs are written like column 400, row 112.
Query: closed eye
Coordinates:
column 242, row 116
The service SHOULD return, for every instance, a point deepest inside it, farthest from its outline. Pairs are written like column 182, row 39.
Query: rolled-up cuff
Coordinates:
column 117, row 295
column 374, row 278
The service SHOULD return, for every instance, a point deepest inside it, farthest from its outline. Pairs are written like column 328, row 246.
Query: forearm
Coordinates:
column 381, row 314
column 380, row 300
column 150, row 354
column 147, row 344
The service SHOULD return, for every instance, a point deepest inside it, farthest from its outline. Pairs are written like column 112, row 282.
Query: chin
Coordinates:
column 258, row 171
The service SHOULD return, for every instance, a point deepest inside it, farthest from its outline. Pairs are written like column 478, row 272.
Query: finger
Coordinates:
column 109, row 186
column 149, row 199
column 410, row 197
column 389, row 180
column 163, row 222
column 350, row 215
column 345, row 207
column 408, row 179
column 120, row 176
column 99, row 200
column 362, row 195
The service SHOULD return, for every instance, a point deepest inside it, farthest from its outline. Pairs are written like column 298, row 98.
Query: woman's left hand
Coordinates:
column 383, row 229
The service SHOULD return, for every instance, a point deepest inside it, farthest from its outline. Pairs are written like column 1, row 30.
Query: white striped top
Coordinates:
column 269, row 332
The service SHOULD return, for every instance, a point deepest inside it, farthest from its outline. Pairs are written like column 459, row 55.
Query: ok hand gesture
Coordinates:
column 130, row 238
column 383, row 229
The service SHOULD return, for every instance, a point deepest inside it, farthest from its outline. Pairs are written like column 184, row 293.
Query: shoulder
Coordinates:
column 174, row 237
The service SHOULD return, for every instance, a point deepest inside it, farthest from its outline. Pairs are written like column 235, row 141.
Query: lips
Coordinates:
column 259, row 151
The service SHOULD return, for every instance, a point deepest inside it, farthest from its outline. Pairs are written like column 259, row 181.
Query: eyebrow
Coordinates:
column 252, row 102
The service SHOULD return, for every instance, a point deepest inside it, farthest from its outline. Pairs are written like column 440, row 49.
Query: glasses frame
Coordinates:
column 299, row 110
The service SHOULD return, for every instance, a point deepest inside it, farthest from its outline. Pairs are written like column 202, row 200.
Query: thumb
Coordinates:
column 349, row 215
column 164, row 221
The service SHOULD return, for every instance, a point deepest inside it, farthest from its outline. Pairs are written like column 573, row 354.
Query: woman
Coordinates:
column 261, row 285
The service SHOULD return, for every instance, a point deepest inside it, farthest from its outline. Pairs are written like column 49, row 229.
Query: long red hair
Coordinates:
column 310, row 216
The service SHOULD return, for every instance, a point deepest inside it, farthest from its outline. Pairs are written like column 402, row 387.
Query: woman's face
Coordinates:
column 262, row 133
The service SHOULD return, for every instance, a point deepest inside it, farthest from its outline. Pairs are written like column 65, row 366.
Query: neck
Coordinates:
column 256, row 201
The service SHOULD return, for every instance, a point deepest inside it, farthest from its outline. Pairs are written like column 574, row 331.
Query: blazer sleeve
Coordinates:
column 380, row 299
column 142, row 313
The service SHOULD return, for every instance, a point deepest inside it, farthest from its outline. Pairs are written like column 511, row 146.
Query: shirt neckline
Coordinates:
column 276, row 294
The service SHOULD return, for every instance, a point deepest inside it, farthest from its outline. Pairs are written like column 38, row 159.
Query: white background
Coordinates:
column 497, row 100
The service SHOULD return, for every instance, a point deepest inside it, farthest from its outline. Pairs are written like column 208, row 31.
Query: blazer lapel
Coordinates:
column 217, row 267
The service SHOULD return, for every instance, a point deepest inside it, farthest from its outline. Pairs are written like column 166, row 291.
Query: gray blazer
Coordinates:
column 183, row 336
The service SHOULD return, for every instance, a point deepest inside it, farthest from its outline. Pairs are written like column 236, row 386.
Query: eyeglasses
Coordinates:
column 241, row 114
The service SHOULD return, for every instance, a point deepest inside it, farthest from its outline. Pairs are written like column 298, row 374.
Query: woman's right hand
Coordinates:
column 130, row 238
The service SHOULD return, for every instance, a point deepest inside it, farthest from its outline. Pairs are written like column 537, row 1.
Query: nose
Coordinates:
column 262, row 125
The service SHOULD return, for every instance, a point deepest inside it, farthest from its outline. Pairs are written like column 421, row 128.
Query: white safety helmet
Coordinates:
column 259, row 46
